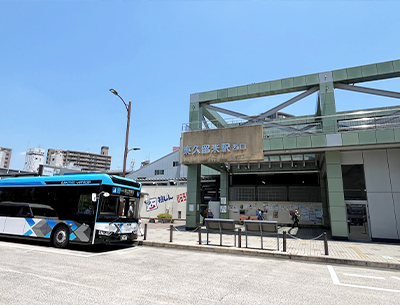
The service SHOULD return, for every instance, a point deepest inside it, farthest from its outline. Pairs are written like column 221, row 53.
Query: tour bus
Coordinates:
column 73, row 208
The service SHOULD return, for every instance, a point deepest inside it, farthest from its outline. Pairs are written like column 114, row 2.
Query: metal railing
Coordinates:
column 349, row 121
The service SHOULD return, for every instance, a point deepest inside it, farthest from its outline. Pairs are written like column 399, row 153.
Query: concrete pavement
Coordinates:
column 302, row 244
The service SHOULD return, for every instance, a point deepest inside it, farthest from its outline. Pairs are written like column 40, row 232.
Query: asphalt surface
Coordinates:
column 33, row 273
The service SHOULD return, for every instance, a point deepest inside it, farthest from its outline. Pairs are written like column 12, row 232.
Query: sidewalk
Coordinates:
column 302, row 244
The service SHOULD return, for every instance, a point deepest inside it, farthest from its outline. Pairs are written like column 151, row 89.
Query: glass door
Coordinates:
column 357, row 220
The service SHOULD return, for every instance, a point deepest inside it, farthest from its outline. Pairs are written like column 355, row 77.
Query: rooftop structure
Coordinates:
column 88, row 162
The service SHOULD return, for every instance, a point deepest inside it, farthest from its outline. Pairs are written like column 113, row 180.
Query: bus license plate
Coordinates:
column 124, row 237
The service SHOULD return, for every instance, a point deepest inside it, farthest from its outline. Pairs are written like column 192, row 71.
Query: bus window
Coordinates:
column 24, row 212
column 133, row 208
column 42, row 211
column 85, row 205
column 109, row 207
column 11, row 209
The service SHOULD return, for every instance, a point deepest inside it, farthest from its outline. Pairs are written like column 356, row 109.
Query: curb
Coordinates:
column 277, row 255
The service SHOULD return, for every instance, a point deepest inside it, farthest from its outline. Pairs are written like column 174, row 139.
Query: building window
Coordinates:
column 175, row 163
column 354, row 182
column 159, row 172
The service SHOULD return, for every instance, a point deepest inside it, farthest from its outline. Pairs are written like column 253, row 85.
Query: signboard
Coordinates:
column 48, row 171
column 151, row 204
column 236, row 144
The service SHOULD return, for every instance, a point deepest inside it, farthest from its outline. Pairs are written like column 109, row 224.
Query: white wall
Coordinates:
column 34, row 157
column 382, row 179
column 2, row 158
column 169, row 198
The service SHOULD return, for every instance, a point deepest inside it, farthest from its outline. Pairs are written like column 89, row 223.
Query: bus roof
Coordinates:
column 71, row 179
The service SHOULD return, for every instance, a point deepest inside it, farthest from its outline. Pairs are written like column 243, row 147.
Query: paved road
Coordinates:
column 34, row 273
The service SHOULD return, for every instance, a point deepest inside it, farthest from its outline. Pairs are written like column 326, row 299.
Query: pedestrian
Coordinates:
column 210, row 214
column 205, row 215
column 296, row 218
column 259, row 214
column 140, row 229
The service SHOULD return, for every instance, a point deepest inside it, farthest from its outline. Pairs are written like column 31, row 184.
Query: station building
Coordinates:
column 164, row 186
column 341, row 169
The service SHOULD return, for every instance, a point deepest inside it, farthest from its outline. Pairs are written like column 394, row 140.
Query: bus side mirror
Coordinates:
column 94, row 197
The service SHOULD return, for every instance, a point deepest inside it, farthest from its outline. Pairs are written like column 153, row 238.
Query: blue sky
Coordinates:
column 58, row 60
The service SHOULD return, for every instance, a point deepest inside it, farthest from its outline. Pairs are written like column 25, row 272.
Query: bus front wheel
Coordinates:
column 60, row 237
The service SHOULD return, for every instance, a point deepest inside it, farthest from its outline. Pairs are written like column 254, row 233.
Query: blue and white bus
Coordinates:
column 73, row 208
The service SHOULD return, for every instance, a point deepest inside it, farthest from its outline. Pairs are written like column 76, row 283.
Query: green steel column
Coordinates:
column 337, row 206
column 324, row 200
column 224, row 187
column 194, row 171
column 327, row 102
column 193, row 196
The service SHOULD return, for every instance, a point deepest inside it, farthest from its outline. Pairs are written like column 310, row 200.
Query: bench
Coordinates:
column 163, row 220
column 262, row 227
column 243, row 218
column 221, row 226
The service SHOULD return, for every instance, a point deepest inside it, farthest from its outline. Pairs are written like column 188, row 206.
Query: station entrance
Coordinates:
column 278, row 186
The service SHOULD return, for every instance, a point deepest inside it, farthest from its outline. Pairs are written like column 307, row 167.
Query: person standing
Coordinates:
column 140, row 229
column 259, row 214
column 205, row 215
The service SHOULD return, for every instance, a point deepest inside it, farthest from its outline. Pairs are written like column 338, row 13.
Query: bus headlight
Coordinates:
column 106, row 233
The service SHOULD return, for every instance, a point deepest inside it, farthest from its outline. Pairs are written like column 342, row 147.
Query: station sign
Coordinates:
column 235, row 144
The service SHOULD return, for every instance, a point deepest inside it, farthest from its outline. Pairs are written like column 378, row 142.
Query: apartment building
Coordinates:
column 5, row 157
column 87, row 161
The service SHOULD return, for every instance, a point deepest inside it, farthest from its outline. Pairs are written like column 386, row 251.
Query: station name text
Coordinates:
column 212, row 148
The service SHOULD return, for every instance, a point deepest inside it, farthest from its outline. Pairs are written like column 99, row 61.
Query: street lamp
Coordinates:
column 128, row 109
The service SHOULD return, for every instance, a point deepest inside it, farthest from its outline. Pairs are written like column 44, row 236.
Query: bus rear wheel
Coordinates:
column 60, row 238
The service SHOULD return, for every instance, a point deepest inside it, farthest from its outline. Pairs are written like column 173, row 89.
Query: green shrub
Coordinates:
column 164, row 216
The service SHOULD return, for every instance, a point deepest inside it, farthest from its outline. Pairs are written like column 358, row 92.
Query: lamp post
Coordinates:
column 128, row 109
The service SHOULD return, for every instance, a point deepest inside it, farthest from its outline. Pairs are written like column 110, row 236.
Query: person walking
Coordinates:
column 296, row 218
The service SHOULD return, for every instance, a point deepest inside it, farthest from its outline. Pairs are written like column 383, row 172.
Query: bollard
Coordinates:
column 326, row 244
column 145, row 231
column 171, row 229
column 239, row 238
column 284, row 241
column 199, row 228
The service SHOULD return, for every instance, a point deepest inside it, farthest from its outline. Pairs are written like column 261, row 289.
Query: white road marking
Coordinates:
column 395, row 277
column 63, row 251
column 334, row 277
column 336, row 281
column 47, row 278
column 42, row 250
column 365, row 276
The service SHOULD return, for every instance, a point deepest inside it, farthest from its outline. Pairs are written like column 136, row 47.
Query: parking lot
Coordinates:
column 35, row 273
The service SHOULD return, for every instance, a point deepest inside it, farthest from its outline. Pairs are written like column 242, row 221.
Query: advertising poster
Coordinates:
column 151, row 205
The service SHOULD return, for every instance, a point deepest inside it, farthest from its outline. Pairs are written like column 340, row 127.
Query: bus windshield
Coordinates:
column 115, row 208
